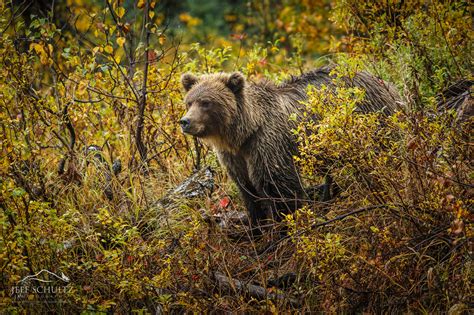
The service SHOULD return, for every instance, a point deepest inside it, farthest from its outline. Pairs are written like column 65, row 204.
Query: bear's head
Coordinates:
column 213, row 104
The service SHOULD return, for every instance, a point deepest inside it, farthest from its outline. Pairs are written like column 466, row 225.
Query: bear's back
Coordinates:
column 379, row 95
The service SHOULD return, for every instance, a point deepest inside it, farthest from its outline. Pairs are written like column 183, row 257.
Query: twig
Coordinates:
column 70, row 128
column 258, row 292
column 142, row 104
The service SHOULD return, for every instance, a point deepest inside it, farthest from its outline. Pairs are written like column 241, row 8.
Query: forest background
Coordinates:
column 91, row 154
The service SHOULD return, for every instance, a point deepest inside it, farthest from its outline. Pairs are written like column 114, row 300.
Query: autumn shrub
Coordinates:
column 404, row 181
column 398, row 235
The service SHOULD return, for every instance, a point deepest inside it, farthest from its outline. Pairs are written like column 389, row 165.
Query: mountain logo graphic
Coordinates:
column 40, row 274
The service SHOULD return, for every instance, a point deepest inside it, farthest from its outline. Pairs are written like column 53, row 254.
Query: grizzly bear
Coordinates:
column 249, row 127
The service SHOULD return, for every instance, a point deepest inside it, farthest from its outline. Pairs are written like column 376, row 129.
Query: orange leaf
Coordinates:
column 224, row 202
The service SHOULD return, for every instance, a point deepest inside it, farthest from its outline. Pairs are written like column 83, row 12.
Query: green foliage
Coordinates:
column 395, row 239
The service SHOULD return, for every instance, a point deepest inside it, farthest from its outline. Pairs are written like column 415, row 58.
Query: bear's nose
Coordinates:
column 184, row 122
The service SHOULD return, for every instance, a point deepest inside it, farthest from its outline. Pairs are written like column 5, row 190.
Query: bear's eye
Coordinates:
column 188, row 104
column 205, row 104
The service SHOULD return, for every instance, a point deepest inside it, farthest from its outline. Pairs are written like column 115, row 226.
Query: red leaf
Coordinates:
column 152, row 56
column 238, row 36
column 224, row 202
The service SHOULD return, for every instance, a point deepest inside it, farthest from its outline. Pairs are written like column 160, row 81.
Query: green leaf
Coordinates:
column 18, row 192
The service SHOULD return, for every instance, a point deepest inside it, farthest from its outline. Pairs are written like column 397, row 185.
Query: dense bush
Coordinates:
column 96, row 86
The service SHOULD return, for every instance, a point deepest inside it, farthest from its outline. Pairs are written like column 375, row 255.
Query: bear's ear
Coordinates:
column 188, row 80
column 236, row 82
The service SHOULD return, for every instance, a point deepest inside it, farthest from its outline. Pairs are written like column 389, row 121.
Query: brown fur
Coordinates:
column 248, row 126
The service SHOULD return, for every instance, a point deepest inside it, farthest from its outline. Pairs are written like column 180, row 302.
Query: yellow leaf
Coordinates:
column 184, row 17
column 95, row 50
column 194, row 22
column 121, row 41
column 37, row 48
column 81, row 88
column 74, row 61
column 151, row 14
column 141, row 4
column 117, row 59
column 120, row 12
column 159, row 19
column 83, row 23
column 109, row 49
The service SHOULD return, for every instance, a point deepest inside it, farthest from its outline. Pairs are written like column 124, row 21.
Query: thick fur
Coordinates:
column 248, row 126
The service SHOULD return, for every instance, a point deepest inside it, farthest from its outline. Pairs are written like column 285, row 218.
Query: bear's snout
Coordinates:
column 185, row 123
